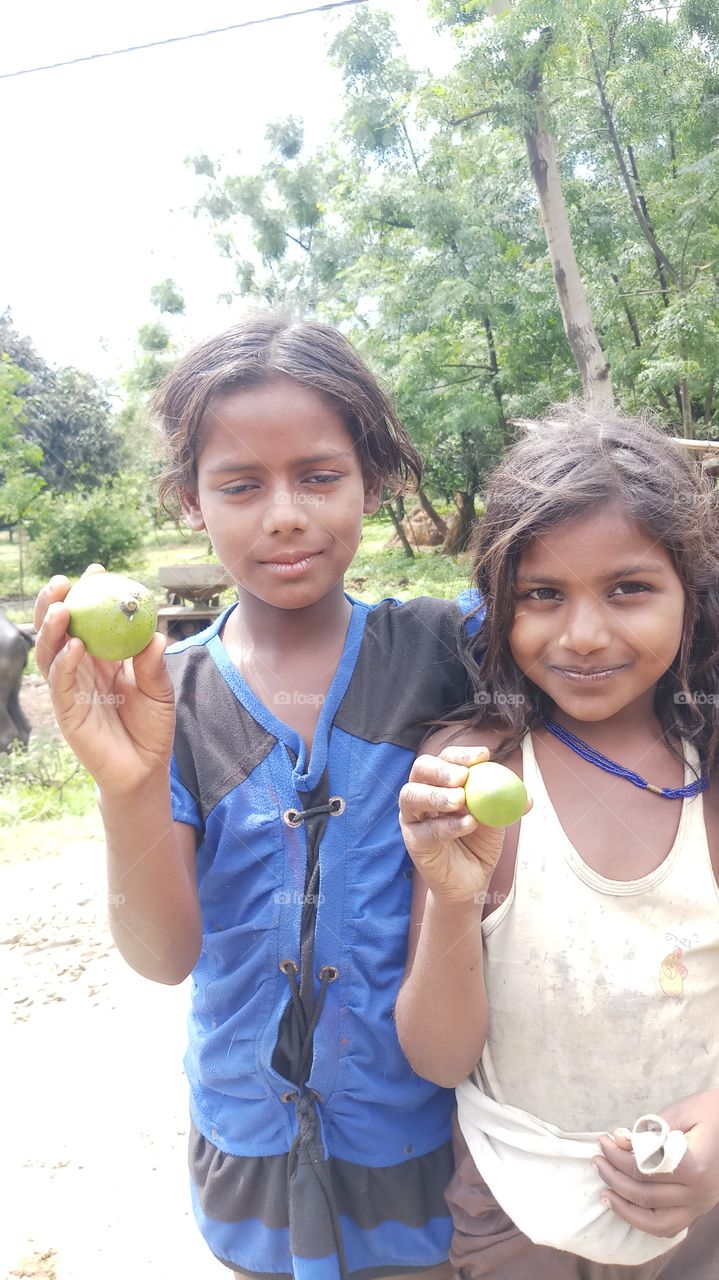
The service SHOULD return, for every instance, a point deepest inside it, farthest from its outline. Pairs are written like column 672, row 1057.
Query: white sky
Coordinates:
column 96, row 204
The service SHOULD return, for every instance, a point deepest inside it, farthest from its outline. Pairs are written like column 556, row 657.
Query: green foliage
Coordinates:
column 167, row 298
column 12, row 379
column 65, row 417
column 19, row 482
column 418, row 231
column 42, row 781
column 155, row 356
column 286, row 137
column 69, row 418
column 153, row 337
column 106, row 525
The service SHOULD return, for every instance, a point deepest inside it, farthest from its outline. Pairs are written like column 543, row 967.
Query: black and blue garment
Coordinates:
column 315, row 1152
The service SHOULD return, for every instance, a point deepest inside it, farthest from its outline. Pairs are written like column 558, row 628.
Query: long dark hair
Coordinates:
column 262, row 347
column 563, row 469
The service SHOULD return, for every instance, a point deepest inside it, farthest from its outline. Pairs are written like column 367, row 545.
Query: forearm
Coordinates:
column 441, row 1009
column 154, row 910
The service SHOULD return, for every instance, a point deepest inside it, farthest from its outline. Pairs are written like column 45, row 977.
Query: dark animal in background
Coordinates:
column 14, row 646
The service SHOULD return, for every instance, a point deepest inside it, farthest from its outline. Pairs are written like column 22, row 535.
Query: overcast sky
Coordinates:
column 96, row 195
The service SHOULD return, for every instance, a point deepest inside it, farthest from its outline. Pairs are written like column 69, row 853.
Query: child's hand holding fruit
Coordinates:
column 117, row 715
column 453, row 811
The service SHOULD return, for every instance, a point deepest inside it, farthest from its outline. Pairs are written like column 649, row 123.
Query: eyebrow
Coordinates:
column 632, row 571
column 231, row 464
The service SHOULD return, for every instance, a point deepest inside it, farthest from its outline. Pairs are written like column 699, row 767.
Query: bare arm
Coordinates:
column 119, row 719
column 441, row 1009
column 154, row 910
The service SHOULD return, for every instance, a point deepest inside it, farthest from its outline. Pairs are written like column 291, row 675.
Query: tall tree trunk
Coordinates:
column 661, row 274
column 460, row 529
column 709, row 403
column 646, row 229
column 576, row 316
column 435, row 517
column 687, row 419
column 400, row 531
column 496, row 385
column 631, row 318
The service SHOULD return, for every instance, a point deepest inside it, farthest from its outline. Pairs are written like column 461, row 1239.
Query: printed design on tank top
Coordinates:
column 672, row 970
column 672, row 974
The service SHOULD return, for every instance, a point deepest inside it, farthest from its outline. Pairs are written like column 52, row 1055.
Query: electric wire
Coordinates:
column 195, row 35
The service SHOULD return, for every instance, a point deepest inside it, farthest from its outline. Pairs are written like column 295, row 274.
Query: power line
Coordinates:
column 195, row 35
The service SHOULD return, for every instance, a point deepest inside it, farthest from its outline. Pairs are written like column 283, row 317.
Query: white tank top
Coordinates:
column 603, row 994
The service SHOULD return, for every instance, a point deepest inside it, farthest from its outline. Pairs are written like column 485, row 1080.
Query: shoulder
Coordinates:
column 402, row 613
column 467, row 735
column 466, row 608
column 414, row 635
column 409, row 673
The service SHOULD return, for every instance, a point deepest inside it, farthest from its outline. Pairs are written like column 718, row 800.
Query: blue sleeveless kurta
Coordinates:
column 315, row 1151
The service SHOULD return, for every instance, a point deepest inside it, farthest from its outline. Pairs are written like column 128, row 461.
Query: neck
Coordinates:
column 254, row 624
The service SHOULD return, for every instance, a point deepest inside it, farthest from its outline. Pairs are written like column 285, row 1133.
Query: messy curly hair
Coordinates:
column 563, row 469
column 262, row 347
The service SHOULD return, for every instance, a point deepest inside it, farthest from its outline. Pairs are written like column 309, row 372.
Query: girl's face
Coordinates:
column 280, row 491
column 599, row 611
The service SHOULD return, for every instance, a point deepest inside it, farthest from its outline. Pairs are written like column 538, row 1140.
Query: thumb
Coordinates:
column 149, row 665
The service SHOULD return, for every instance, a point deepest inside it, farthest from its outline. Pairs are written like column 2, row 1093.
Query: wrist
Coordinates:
column 442, row 905
column 147, row 799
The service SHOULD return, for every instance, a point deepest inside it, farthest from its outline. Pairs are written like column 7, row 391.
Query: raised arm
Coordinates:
column 118, row 718
column 441, row 1009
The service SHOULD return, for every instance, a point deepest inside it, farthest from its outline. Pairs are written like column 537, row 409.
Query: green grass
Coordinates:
column 39, row 784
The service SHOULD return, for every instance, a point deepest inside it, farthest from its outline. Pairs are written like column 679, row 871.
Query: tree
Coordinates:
column 634, row 105
column 20, row 484
column 155, row 356
column 482, row 287
column 66, row 414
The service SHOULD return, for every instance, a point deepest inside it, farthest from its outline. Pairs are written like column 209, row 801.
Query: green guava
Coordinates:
column 114, row 616
column 494, row 795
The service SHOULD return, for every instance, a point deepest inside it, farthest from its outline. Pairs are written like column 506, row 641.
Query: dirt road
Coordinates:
column 94, row 1129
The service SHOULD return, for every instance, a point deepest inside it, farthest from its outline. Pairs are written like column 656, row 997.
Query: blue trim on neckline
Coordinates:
column 305, row 778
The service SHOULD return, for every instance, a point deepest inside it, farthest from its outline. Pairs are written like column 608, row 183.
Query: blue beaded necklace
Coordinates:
column 610, row 766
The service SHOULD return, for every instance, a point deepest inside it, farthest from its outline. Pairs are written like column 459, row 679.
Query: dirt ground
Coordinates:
column 94, row 1128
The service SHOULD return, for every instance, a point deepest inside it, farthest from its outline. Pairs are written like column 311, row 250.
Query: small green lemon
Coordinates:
column 114, row 616
column 494, row 795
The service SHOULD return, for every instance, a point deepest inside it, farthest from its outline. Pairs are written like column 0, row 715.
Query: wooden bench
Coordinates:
column 193, row 597
column 178, row 621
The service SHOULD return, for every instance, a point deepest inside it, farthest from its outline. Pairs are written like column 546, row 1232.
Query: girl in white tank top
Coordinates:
column 563, row 973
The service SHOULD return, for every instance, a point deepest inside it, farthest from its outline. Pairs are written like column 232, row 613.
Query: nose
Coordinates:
column 283, row 513
column 587, row 628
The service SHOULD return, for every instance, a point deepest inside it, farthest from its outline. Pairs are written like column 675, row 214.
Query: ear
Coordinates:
column 191, row 511
column 372, row 495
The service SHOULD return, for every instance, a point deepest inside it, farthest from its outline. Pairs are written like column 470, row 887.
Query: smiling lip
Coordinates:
column 590, row 676
column 292, row 563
